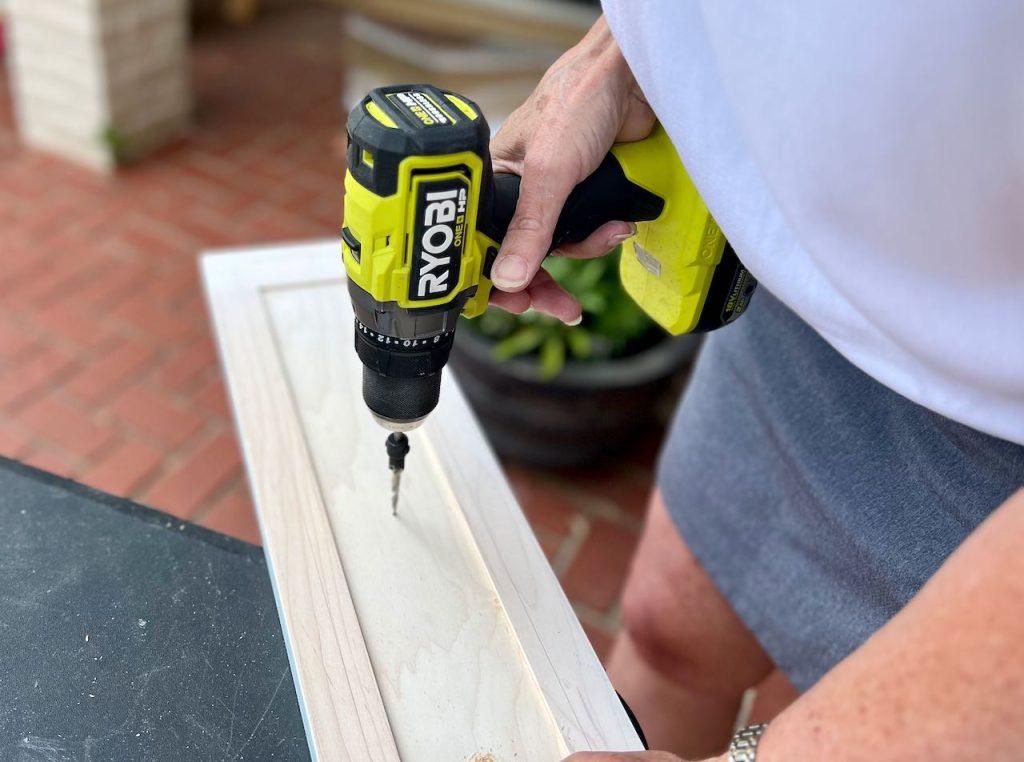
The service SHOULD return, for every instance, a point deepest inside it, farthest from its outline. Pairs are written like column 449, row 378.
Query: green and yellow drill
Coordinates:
column 425, row 216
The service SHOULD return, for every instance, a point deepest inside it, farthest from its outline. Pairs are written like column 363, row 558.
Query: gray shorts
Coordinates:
column 818, row 500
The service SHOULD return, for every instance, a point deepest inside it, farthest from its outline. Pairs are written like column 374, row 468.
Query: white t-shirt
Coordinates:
column 866, row 160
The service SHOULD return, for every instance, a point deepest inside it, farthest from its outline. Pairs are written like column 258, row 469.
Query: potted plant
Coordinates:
column 560, row 395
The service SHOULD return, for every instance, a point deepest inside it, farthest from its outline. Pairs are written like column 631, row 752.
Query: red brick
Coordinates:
column 597, row 573
column 153, row 238
column 171, row 286
column 156, row 415
column 110, row 371
column 73, row 324
column 546, row 505
column 124, row 469
column 119, row 279
column 13, row 440
column 24, row 381
column 275, row 171
column 16, row 340
column 193, row 304
column 81, row 250
column 281, row 198
column 183, row 490
column 22, row 260
column 213, row 398
column 60, row 278
column 66, row 426
column 323, row 175
column 23, row 292
column 154, row 321
column 265, row 223
column 211, row 227
column 327, row 212
column 205, row 165
column 190, row 186
column 623, row 486
column 52, row 461
column 234, row 514
column 51, row 217
column 96, row 221
column 299, row 200
column 601, row 640
column 187, row 366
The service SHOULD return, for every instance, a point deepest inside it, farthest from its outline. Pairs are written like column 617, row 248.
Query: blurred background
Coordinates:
column 135, row 134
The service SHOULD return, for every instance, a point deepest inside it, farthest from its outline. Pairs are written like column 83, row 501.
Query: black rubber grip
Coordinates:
column 606, row 195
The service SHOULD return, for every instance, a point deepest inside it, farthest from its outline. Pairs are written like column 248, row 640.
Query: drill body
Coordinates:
column 425, row 216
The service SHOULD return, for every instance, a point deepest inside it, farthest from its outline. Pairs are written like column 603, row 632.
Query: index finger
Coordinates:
column 548, row 178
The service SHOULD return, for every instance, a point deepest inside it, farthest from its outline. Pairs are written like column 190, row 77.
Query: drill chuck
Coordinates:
column 400, row 404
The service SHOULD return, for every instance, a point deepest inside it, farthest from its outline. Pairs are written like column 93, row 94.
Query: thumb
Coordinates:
column 545, row 185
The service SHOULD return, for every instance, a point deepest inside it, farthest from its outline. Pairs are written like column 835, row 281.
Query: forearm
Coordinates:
column 944, row 680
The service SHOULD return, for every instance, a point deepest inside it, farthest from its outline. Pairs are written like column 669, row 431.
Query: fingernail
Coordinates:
column 620, row 237
column 577, row 321
column 509, row 272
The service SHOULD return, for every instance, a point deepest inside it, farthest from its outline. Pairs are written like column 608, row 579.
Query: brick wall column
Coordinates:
column 100, row 81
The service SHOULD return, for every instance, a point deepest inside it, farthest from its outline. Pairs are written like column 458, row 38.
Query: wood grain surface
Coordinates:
column 439, row 634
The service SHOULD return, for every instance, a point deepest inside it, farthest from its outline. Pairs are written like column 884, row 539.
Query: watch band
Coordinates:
column 744, row 744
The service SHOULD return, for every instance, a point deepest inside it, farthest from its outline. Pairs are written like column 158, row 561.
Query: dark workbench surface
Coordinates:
column 126, row 634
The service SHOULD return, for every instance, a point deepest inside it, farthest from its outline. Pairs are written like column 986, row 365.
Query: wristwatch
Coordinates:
column 744, row 744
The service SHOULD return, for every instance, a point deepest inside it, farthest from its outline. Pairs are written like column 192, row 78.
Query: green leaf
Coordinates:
column 525, row 340
column 579, row 342
column 593, row 302
column 613, row 322
column 559, row 267
column 590, row 273
column 552, row 357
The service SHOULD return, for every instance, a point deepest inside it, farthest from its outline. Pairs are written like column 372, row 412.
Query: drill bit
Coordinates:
column 397, row 446
column 396, row 479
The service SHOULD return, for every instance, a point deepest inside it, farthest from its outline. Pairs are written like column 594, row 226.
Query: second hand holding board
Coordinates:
column 425, row 216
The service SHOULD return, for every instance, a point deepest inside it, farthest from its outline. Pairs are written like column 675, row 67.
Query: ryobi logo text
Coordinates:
column 439, row 238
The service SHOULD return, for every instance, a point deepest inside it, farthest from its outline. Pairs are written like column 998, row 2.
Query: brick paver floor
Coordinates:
column 108, row 373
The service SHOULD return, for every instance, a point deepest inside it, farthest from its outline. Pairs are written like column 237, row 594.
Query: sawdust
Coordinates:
column 488, row 757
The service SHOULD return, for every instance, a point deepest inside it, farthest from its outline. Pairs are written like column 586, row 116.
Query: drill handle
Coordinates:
column 606, row 195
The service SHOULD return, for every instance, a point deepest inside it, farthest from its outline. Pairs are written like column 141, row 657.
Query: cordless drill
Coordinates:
column 425, row 216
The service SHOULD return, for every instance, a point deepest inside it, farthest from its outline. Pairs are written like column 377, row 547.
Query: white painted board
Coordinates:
column 441, row 634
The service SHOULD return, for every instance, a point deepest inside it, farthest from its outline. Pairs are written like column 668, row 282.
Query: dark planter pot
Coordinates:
column 589, row 412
